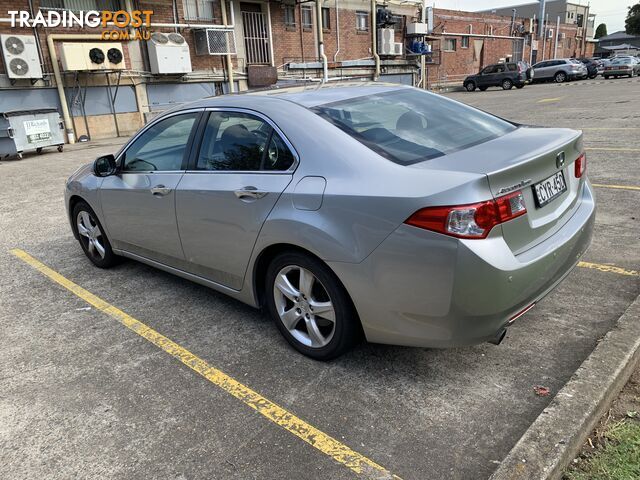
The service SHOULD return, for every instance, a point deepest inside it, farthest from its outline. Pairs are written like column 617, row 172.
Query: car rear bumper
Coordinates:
column 420, row 288
column 617, row 72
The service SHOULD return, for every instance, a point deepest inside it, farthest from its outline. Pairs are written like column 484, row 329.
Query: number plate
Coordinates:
column 550, row 188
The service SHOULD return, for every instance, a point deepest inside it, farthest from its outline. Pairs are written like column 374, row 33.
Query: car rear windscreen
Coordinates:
column 409, row 126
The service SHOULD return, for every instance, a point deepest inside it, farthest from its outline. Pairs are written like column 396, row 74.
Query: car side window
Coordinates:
column 241, row 142
column 488, row 70
column 512, row 67
column 499, row 69
column 162, row 146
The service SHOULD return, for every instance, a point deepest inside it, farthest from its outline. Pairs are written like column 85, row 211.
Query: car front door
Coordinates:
column 138, row 203
column 499, row 75
column 242, row 166
column 486, row 74
column 542, row 71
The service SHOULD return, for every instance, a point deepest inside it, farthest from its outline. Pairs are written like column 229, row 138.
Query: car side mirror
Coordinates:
column 105, row 166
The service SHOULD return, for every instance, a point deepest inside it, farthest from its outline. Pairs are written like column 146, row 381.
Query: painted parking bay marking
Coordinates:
column 550, row 100
column 619, row 187
column 278, row 415
column 609, row 268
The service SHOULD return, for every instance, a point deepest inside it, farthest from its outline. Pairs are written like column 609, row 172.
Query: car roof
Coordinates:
column 307, row 96
column 310, row 96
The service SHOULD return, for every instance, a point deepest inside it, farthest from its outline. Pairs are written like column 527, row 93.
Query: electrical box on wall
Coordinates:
column 78, row 56
column 20, row 55
column 169, row 53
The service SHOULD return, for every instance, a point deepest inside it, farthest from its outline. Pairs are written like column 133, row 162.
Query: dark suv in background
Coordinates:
column 505, row 75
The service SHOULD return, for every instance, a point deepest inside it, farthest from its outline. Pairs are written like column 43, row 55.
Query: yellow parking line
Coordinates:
column 548, row 100
column 278, row 415
column 612, row 149
column 609, row 268
column 620, row 187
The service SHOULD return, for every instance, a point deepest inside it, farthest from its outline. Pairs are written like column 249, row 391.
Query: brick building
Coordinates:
column 271, row 38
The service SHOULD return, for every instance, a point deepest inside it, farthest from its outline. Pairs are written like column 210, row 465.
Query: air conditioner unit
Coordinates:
column 398, row 48
column 417, row 29
column 168, row 53
column 215, row 41
column 550, row 33
column 20, row 54
column 92, row 56
column 386, row 41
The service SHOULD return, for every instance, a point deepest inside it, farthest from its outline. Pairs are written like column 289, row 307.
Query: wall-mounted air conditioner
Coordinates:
column 386, row 41
column 215, row 41
column 77, row 56
column 417, row 29
column 20, row 55
column 398, row 48
column 168, row 53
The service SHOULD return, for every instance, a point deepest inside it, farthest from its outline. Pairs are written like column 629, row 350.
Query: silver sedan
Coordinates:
column 347, row 211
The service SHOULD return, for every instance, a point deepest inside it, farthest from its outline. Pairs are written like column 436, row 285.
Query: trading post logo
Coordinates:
column 120, row 19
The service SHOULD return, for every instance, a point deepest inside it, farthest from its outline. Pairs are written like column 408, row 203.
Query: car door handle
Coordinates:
column 160, row 190
column 249, row 193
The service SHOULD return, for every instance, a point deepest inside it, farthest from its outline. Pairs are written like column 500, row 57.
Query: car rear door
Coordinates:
column 138, row 203
column 241, row 167
column 542, row 70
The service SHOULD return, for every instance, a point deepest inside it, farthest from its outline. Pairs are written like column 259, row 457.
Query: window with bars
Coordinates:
column 362, row 21
column 326, row 18
column 307, row 17
column 77, row 5
column 289, row 16
column 198, row 9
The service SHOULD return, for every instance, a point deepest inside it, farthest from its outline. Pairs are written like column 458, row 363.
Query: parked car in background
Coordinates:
column 505, row 75
column 622, row 67
column 592, row 67
column 418, row 221
column 559, row 70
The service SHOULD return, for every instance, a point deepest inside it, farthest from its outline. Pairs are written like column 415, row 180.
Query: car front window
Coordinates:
column 411, row 126
column 162, row 146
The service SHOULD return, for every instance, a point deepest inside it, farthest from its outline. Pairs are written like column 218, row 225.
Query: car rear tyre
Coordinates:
column 483, row 89
column 470, row 86
column 519, row 86
column 560, row 77
column 507, row 84
column 310, row 306
column 606, row 77
column 91, row 236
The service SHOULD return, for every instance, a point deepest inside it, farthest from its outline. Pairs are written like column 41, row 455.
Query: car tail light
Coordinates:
column 470, row 221
column 580, row 165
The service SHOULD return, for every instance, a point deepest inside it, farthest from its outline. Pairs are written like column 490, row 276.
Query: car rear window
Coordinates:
column 411, row 126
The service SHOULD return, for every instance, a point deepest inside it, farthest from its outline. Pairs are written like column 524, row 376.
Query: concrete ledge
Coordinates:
column 557, row 435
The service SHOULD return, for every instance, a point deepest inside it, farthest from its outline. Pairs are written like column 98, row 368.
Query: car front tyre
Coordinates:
column 93, row 240
column 560, row 77
column 310, row 306
column 470, row 86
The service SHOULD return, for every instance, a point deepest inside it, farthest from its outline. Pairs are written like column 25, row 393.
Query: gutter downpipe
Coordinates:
column 325, row 64
column 51, row 38
column 557, row 34
column 374, row 40
column 228, row 61
column 335, row 56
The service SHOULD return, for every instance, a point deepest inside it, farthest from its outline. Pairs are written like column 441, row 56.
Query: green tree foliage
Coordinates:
column 632, row 23
column 601, row 31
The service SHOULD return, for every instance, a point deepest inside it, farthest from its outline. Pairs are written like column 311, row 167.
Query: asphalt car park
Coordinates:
column 221, row 395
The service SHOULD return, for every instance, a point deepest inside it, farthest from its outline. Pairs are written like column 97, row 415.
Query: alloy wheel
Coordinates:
column 90, row 234
column 304, row 306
